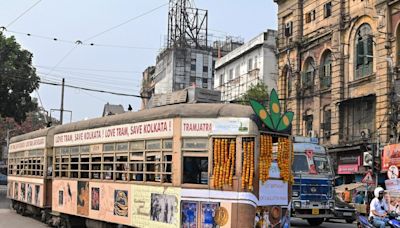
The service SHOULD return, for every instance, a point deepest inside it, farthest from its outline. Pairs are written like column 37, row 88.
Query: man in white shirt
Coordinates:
column 379, row 208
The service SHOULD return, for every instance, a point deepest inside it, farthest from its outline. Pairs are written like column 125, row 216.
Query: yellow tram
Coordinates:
column 186, row 165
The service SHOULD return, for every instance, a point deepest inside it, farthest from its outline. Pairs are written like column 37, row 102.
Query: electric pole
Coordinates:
column 62, row 101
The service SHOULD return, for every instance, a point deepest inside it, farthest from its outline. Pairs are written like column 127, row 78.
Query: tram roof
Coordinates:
column 45, row 132
column 171, row 111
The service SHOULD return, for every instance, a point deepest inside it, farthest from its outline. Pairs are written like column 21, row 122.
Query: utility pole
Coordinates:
column 62, row 101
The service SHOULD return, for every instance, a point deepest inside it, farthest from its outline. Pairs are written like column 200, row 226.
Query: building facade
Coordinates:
column 337, row 72
column 249, row 64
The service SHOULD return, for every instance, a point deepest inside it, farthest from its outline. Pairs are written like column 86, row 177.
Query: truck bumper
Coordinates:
column 307, row 213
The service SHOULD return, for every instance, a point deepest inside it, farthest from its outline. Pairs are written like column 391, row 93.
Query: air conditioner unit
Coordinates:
column 367, row 158
column 327, row 134
column 365, row 133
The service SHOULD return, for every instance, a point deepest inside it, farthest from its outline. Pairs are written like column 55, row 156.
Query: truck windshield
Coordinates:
column 322, row 165
column 300, row 164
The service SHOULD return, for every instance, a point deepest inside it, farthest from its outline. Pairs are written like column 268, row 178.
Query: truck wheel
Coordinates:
column 350, row 220
column 315, row 221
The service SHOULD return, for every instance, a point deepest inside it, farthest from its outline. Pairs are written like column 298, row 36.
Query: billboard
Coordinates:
column 390, row 156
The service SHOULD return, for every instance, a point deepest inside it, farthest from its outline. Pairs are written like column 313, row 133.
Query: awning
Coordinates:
column 359, row 186
column 343, row 149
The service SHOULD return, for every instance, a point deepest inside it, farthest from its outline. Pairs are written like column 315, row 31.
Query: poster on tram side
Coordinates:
column 272, row 217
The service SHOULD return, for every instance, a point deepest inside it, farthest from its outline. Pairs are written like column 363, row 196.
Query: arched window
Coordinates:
column 286, row 81
column 325, row 73
column 364, row 51
column 307, row 77
column 398, row 45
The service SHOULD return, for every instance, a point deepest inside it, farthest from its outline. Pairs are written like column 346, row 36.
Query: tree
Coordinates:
column 258, row 92
column 18, row 80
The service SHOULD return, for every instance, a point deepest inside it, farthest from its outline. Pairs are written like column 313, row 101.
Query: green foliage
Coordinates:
column 258, row 92
column 18, row 80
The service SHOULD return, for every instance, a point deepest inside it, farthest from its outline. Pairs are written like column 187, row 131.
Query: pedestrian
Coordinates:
column 359, row 198
column 346, row 195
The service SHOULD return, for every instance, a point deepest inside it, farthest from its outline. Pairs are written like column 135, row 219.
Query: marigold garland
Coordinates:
column 224, row 162
column 248, row 164
column 265, row 157
column 285, row 154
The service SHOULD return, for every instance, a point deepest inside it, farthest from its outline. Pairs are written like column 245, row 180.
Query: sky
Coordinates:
column 126, row 35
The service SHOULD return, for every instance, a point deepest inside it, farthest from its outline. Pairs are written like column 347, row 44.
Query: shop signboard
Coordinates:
column 390, row 156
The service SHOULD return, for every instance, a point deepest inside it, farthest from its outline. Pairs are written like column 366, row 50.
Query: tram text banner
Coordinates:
column 156, row 128
column 194, row 127
column 273, row 192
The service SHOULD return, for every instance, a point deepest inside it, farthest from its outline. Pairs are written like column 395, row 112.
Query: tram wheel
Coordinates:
column 64, row 223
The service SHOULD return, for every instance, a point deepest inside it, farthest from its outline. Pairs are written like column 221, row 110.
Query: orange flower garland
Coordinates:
column 248, row 164
column 224, row 162
column 265, row 156
column 285, row 154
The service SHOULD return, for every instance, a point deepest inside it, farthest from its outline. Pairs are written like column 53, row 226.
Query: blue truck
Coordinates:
column 312, row 190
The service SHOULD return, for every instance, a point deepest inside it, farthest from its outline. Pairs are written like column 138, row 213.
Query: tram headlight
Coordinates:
column 297, row 204
column 295, row 194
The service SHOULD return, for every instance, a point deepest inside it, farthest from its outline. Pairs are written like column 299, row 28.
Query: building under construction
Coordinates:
column 187, row 60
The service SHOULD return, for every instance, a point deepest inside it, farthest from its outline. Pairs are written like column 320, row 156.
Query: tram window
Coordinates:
column 96, row 166
column 195, row 170
column 167, row 144
column 153, row 144
column 109, row 147
column 122, row 146
column 167, row 176
column 195, row 143
column 137, row 145
column 75, row 150
column 152, row 168
column 136, row 168
column 122, row 167
column 74, row 167
column 49, row 166
column 85, row 149
column 108, row 167
column 84, row 166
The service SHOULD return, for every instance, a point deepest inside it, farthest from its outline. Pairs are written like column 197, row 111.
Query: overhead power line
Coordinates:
column 92, row 90
column 22, row 14
column 101, row 33
column 127, row 21
column 78, row 42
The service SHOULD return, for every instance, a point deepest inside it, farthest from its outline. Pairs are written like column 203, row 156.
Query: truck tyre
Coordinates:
column 350, row 220
column 315, row 221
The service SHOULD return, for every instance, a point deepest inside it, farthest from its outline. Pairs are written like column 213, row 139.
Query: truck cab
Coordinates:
column 312, row 190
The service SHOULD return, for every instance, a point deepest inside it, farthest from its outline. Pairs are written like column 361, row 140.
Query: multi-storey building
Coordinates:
column 337, row 72
column 249, row 64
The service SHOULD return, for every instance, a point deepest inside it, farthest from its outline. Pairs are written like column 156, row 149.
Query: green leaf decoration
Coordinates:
column 262, row 113
column 285, row 121
column 274, row 108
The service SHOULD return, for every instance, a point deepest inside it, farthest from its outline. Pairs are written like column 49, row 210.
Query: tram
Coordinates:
column 185, row 165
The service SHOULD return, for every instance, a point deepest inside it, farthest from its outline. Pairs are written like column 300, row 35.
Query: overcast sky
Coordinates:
column 118, row 57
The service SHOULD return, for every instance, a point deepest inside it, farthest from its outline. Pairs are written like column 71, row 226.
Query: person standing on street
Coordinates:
column 346, row 196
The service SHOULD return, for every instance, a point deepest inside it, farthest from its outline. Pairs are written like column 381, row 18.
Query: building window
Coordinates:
column 230, row 74
column 326, row 125
column 193, row 64
column 357, row 115
column 237, row 71
column 255, row 62
column 288, row 29
column 325, row 73
column 205, row 69
column 310, row 16
column 307, row 79
column 328, row 9
column 364, row 51
column 308, row 119
column 250, row 64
